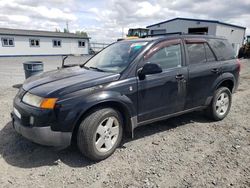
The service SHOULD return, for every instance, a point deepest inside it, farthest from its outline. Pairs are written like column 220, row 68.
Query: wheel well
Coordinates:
column 227, row 83
column 109, row 104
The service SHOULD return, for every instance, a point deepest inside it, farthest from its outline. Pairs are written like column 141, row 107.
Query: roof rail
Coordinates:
column 164, row 34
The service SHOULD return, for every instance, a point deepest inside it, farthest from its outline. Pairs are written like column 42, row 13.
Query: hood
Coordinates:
column 66, row 80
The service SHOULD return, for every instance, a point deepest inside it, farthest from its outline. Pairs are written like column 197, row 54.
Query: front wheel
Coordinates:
column 100, row 133
column 221, row 104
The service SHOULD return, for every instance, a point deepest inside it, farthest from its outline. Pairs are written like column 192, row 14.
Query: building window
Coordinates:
column 7, row 42
column 81, row 44
column 34, row 42
column 57, row 43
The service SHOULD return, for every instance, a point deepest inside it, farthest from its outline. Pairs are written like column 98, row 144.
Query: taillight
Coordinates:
column 239, row 64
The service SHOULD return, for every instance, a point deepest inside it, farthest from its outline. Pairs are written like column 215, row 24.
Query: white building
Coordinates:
column 235, row 34
column 16, row 42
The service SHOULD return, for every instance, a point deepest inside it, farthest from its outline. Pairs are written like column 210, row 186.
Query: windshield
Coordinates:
column 116, row 57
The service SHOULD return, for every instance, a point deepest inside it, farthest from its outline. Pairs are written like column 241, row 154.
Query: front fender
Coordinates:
column 74, row 109
column 109, row 96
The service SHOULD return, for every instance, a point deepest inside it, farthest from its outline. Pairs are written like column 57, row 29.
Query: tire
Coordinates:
column 218, row 109
column 100, row 133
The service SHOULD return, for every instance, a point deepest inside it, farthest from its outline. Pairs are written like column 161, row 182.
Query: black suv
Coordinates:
column 128, row 84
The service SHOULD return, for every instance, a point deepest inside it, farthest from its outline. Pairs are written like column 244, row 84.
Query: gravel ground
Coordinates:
column 187, row 151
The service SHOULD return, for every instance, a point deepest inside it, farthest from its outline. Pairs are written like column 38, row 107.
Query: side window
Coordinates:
column 209, row 54
column 196, row 52
column 223, row 50
column 167, row 57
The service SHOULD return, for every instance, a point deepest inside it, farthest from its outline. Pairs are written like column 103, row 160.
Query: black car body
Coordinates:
column 146, row 90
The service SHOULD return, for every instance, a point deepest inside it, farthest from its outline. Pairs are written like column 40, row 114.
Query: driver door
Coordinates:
column 164, row 93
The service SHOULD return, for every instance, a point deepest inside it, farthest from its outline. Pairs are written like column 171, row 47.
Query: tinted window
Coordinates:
column 223, row 50
column 167, row 57
column 209, row 54
column 196, row 52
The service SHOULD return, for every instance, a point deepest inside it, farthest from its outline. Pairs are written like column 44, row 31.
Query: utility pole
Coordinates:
column 67, row 25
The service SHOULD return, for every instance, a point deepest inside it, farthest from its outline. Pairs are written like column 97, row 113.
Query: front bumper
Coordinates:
column 42, row 135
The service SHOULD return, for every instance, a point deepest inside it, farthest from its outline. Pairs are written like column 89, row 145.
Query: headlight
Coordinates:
column 40, row 102
column 32, row 100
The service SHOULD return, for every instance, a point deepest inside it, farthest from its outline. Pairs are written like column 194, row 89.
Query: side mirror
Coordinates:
column 149, row 68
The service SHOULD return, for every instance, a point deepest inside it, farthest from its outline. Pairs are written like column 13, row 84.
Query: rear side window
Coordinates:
column 167, row 57
column 209, row 54
column 196, row 52
column 223, row 50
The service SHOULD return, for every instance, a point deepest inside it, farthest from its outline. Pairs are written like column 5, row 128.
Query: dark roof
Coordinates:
column 198, row 20
column 137, row 28
column 37, row 33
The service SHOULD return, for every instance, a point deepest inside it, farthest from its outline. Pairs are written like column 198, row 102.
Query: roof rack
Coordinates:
column 164, row 34
column 174, row 33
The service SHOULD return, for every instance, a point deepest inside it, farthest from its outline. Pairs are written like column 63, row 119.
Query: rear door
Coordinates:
column 164, row 93
column 203, row 70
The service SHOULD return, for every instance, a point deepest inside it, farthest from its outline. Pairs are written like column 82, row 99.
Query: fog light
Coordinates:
column 32, row 120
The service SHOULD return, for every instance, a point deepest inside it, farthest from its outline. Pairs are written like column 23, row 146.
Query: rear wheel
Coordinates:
column 221, row 104
column 100, row 133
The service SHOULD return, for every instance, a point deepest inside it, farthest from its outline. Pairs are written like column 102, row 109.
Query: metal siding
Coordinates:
column 182, row 26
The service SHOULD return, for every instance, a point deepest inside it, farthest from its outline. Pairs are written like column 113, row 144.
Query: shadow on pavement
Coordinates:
column 171, row 123
column 20, row 152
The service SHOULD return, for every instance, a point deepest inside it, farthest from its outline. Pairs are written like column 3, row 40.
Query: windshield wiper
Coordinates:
column 95, row 68
column 83, row 66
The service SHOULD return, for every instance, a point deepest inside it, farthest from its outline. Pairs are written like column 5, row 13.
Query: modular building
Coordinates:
column 17, row 42
column 234, row 33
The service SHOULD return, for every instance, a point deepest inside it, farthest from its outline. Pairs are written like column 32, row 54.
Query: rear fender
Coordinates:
column 217, row 83
column 222, row 78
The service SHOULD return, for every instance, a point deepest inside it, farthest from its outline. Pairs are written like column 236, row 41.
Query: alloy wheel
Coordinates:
column 222, row 104
column 107, row 134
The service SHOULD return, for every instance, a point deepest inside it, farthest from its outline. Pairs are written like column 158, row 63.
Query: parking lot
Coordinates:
column 186, row 151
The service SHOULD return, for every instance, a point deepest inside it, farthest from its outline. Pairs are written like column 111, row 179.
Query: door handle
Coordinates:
column 215, row 70
column 179, row 76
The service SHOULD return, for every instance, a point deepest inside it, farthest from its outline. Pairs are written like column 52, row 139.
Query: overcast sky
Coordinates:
column 103, row 20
